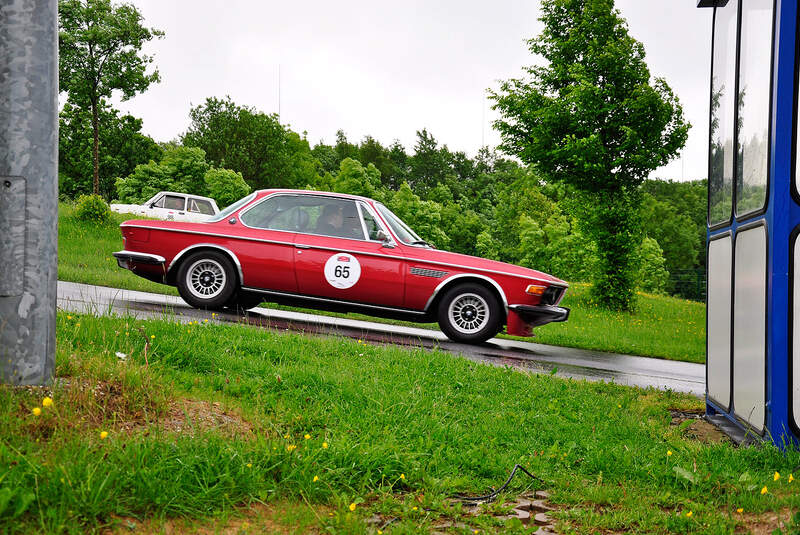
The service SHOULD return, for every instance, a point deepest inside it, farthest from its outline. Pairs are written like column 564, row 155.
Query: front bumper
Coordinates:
column 523, row 318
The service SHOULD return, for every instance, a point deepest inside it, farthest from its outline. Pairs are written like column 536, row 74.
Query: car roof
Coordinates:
column 263, row 192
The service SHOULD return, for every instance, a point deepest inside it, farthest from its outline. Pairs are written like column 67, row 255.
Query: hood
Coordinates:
column 474, row 262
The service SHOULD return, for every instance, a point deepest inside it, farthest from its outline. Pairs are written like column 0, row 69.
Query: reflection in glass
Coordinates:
column 722, row 95
column 755, row 66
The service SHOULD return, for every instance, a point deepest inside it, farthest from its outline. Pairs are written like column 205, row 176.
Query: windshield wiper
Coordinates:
column 421, row 242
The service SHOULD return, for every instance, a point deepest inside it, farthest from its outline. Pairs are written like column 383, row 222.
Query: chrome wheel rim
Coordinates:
column 205, row 279
column 468, row 313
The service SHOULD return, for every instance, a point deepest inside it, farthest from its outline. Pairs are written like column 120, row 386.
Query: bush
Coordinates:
column 225, row 186
column 92, row 208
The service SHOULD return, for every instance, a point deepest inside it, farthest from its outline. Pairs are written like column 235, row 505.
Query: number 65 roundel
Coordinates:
column 342, row 270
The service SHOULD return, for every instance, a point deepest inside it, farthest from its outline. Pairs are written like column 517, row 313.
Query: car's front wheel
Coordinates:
column 207, row 279
column 244, row 301
column 470, row 313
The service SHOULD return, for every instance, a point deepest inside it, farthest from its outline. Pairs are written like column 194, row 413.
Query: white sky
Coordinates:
column 390, row 69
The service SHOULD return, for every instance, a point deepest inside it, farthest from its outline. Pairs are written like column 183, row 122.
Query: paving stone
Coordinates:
column 542, row 494
column 542, row 519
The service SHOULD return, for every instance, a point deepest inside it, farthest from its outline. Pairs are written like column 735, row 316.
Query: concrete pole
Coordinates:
column 28, row 189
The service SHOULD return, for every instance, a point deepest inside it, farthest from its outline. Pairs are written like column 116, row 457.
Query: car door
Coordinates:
column 265, row 247
column 347, row 262
column 170, row 206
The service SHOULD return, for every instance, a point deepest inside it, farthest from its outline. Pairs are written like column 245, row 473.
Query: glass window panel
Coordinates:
column 202, row 207
column 755, row 68
column 173, row 202
column 266, row 213
column 723, row 83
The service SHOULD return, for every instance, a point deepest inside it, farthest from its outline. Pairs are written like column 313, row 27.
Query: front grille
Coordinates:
column 428, row 272
column 552, row 294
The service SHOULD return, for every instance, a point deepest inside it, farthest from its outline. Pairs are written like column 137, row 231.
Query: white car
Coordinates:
column 173, row 207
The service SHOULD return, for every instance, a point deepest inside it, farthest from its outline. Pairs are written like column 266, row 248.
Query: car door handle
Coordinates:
column 299, row 246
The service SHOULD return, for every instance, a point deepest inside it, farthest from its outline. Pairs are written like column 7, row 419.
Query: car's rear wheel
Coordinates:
column 207, row 279
column 470, row 313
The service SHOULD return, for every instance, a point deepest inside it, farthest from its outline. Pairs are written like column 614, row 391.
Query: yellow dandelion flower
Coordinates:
column 152, row 337
column 776, row 477
column 764, row 490
column 414, row 508
column 69, row 317
column 324, row 445
column 353, row 506
column 36, row 411
column 286, row 436
column 249, row 465
column 77, row 325
column 380, row 532
column 103, row 435
column 689, row 514
column 47, row 402
column 316, row 478
column 669, row 453
column 791, row 478
column 290, row 447
column 306, row 436
column 740, row 510
column 402, row 476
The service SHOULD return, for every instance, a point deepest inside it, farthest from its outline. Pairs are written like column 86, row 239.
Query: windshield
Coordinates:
column 400, row 229
column 232, row 208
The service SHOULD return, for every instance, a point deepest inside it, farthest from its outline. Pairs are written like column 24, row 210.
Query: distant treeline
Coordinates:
column 487, row 205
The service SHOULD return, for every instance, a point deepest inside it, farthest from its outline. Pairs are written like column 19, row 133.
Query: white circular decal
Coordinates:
column 342, row 271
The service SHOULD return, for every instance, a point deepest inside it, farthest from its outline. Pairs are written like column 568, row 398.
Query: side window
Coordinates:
column 201, row 207
column 173, row 202
column 338, row 218
column 270, row 213
column 159, row 203
column 369, row 222
column 295, row 219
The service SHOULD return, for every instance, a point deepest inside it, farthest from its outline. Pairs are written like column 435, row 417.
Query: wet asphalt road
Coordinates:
column 538, row 358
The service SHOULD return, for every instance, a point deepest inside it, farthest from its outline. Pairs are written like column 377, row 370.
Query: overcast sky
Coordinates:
column 390, row 69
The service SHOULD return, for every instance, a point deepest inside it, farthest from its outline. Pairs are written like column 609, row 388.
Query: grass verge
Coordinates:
column 663, row 327
column 204, row 421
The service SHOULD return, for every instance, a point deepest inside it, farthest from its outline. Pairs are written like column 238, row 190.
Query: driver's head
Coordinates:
column 332, row 214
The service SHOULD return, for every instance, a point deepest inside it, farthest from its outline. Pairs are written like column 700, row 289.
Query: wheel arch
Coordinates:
column 454, row 280
column 174, row 265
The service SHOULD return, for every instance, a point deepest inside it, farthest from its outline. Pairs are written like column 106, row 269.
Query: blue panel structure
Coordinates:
column 750, row 163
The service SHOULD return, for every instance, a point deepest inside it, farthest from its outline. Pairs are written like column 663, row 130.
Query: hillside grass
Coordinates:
column 664, row 327
column 220, row 424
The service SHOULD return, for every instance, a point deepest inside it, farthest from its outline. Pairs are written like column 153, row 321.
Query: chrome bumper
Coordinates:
column 124, row 258
column 536, row 315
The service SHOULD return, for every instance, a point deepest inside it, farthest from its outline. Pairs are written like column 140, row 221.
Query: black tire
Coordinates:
column 207, row 280
column 470, row 313
column 244, row 301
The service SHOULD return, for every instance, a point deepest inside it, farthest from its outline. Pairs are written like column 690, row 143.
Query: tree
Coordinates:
column 122, row 148
column 182, row 170
column 225, row 186
column 253, row 143
column 591, row 118
column 99, row 47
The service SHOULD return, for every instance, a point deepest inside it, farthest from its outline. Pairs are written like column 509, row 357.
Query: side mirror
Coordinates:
column 385, row 239
column 232, row 221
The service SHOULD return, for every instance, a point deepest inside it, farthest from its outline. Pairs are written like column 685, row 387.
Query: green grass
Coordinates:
column 664, row 327
column 404, row 429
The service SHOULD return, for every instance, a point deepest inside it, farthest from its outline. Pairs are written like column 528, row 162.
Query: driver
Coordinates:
column 334, row 222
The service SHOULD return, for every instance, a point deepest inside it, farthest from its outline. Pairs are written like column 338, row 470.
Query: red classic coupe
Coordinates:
column 337, row 252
